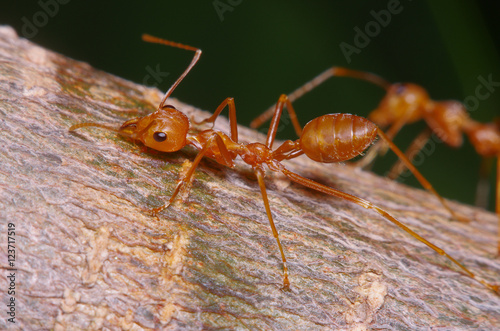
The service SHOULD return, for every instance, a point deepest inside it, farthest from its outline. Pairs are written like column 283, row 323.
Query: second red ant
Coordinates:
column 326, row 139
column 406, row 103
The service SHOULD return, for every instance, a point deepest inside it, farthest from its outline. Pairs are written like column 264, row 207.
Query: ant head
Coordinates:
column 447, row 121
column 165, row 130
column 403, row 100
column 497, row 122
column 485, row 137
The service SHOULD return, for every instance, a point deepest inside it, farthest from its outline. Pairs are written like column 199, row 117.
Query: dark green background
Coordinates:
column 262, row 49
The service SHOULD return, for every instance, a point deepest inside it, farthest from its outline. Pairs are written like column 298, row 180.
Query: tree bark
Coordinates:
column 89, row 256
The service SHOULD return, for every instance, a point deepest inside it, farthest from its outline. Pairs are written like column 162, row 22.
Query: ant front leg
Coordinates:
column 226, row 159
column 183, row 180
column 229, row 102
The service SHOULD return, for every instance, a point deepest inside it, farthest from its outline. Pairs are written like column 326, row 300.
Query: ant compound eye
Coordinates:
column 400, row 89
column 159, row 136
column 168, row 106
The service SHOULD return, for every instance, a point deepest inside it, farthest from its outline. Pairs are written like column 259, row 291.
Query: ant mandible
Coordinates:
column 326, row 139
column 405, row 103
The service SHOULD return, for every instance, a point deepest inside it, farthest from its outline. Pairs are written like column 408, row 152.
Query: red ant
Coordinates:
column 391, row 109
column 329, row 138
column 486, row 140
column 406, row 103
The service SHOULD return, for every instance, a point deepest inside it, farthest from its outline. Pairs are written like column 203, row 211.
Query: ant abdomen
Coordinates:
column 337, row 137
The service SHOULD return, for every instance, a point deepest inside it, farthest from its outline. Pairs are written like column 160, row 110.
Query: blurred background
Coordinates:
column 255, row 50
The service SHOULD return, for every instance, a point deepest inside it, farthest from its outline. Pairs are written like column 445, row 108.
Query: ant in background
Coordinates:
column 405, row 103
column 393, row 110
column 326, row 139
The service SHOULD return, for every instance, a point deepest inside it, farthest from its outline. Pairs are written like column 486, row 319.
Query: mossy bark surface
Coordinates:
column 90, row 256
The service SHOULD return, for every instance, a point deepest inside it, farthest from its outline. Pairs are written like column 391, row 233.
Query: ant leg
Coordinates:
column 184, row 179
column 150, row 39
column 273, row 127
column 229, row 102
column 318, row 80
column 366, row 161
column 225, row 159
column 416, row 146
column 366, row 204
column 288, row 150
column 424, row 182
column 483, row 184
column 260, row 179
column 380, row 148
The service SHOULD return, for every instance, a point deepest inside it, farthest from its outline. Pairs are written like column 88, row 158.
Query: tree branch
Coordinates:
column 88, row 256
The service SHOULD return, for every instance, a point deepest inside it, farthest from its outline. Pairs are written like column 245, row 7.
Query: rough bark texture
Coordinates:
column 89, row 256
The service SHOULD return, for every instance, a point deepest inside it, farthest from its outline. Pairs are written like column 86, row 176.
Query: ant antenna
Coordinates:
column 151, row 39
